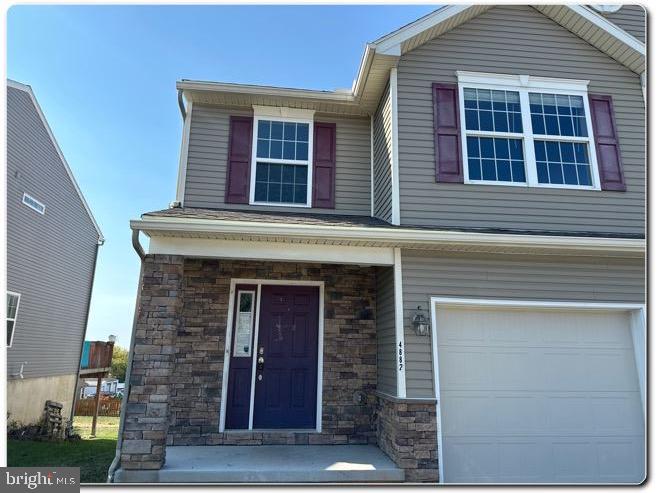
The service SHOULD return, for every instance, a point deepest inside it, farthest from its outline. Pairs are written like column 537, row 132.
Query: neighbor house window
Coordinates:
column 13, row 300
column 33, row 203
column 527, row 131
column 281, row 168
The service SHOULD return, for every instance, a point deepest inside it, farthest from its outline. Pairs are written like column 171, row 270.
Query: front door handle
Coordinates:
column 261, row 363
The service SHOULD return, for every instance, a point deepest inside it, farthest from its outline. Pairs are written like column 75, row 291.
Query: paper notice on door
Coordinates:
column 243, row 335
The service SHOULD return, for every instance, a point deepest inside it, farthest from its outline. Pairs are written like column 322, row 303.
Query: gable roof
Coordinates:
column 579, row 19
column 27, row 89
column 384, row 53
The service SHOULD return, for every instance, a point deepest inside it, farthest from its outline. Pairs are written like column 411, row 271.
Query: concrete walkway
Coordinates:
column 270, row 464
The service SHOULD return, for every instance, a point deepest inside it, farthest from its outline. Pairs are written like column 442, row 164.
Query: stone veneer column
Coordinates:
column 158, row 320
column 406, row 432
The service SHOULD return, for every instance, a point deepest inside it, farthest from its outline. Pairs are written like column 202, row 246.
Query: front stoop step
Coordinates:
column 270, row 464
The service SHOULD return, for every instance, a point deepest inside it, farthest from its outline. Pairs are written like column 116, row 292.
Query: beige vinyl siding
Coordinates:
column 50, row 257
column 427, row 274
column 631, row 18
column 516, row 39
column 382, row 170
column 385, row 331
column 208, row 156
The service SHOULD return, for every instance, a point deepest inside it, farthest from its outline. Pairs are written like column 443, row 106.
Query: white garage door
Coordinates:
column 538, row 396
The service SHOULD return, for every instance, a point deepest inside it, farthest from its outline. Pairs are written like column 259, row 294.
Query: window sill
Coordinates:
column 526, row 185
column 280, row 204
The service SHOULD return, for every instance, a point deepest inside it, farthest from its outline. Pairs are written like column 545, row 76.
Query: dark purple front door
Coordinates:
column 286, row 365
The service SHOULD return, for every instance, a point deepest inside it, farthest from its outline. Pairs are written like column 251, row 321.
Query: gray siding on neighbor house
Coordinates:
column 427, row 274
column 50, row 257
column 631, row 18
column 382, row 166
column 515, row 39
column 208, row 155
column 385, row 331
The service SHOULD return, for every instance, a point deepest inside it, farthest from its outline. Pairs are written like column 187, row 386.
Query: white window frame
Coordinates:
column 282, row 114
column 18, row 305
column 524, row 84
column 29, row 201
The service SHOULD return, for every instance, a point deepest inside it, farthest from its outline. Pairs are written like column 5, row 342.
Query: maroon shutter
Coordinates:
column 239, row 160
column 446, row 139
column 606, row 143
column 324, row 166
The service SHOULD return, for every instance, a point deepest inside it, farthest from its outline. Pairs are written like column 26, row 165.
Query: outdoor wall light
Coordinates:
column 421, row 324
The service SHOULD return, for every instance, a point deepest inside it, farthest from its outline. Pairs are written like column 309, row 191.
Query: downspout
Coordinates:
column 181, row 104
column 126, row 392
column 100, row 242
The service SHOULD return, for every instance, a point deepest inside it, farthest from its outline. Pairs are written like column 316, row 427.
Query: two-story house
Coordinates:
column 446, row 262
column 52, row 247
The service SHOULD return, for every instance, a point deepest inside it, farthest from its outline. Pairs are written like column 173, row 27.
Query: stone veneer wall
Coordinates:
column 175, row 391
column 406, row 431
column 158, row 320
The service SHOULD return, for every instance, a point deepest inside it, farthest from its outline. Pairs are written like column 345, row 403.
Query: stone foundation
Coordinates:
column 406, row 432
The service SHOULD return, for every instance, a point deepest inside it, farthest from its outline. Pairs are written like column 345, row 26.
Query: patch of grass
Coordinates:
column 92, row 455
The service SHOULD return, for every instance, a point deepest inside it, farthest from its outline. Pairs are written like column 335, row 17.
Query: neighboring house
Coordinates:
column 447, row 262
column 108, row 386
column 52, row 245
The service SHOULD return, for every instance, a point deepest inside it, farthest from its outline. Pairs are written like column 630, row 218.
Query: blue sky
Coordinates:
column 105, row 78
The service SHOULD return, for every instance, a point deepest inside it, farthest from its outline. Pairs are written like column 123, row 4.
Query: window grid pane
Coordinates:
column 12, row 305
column 282, row 140
column 491, row 110
column 557, row 114
column 495, row 159
column 562, row 163
column 281, row 183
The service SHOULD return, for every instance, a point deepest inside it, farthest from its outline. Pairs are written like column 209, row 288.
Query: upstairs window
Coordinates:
column 13, row 300
column 281, row 169
column 527, row 131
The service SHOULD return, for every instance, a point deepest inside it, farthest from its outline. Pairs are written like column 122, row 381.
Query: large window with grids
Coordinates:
column 281, row 170
column 526, row 131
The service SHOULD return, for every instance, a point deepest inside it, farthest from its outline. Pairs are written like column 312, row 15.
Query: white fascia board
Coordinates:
column 28, row 89
column 398, row 236
column 269, row 250
column 611, row 28
column 528, row 81
column 390, row 43
column 250, row 89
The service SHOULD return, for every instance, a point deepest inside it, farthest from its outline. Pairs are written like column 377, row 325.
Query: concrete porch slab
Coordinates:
column 270, row 464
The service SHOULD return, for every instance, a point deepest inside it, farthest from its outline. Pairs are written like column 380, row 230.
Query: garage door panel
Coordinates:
column 538, row 396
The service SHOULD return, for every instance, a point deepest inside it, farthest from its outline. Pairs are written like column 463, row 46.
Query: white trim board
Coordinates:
column 69, row 172
column 394, row 117
column 268, row 250
column 184, row 153
column 400, row 344
column 638, row 334
column 228, row 345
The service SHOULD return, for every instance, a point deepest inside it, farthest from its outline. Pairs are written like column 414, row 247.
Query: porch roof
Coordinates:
column 364, row 231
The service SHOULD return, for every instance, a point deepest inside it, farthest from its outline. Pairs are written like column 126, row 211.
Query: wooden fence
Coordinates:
column 108, row 407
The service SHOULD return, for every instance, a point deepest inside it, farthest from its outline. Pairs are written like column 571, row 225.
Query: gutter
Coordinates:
column 389, row 236
column 126, row 392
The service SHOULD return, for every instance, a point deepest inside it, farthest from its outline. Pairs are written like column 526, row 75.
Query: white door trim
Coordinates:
column 227, row 350
column 638, row 329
